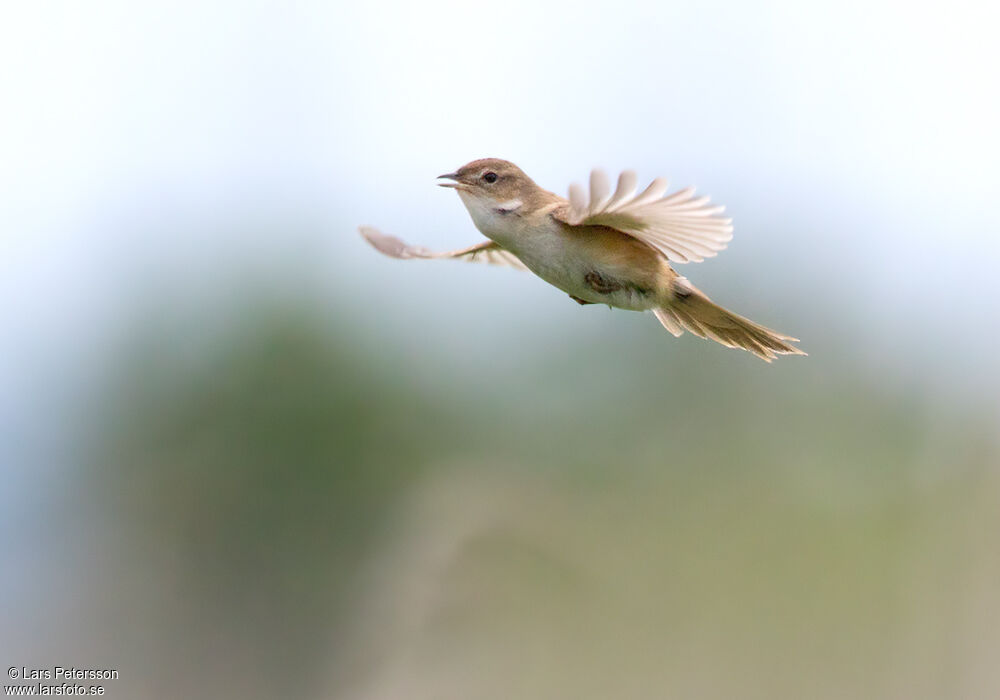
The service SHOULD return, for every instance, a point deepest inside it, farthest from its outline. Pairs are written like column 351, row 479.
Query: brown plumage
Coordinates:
column 613, row 248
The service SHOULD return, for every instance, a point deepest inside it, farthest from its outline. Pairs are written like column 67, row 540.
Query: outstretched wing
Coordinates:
column 681, row 226
column 485, row 252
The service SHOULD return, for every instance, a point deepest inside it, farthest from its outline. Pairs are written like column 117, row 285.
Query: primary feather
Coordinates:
column 485, row 252
column 681, row 226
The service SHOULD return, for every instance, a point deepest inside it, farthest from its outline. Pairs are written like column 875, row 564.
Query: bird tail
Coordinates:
column 689, row 309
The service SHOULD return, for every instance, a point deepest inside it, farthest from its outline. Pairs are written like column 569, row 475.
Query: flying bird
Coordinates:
column 613, row 248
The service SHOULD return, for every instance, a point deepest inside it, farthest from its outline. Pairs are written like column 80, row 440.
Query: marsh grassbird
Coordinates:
column 613, row 248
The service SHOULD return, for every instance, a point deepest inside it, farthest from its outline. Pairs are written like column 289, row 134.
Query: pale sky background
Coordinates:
column 146, row 147
column 156, row 156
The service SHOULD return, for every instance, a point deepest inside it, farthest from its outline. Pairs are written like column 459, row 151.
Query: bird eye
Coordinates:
column 490, row 177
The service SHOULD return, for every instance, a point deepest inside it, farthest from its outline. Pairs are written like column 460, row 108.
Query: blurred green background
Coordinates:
column 246, row 456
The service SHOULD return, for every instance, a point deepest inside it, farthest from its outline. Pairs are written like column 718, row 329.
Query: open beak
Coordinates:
column 449, row 176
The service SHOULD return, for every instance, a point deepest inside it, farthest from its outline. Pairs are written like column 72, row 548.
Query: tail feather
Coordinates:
column 693, row 311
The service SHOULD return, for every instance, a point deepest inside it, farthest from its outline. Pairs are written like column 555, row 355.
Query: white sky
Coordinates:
column 145, row 146
column 885, row 102
column 855, row 143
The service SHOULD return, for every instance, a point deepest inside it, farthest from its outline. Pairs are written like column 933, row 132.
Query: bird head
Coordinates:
column 493, row 190
column 489, row 179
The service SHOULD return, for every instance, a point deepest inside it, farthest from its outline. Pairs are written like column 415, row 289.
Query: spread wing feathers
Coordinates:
column 683, row 227
column 485, row 252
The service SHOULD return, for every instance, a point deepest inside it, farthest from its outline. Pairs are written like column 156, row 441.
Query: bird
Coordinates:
column 614, row 248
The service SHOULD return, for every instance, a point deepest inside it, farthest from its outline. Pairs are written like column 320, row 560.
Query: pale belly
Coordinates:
column 573, row 269
column 595, row 266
